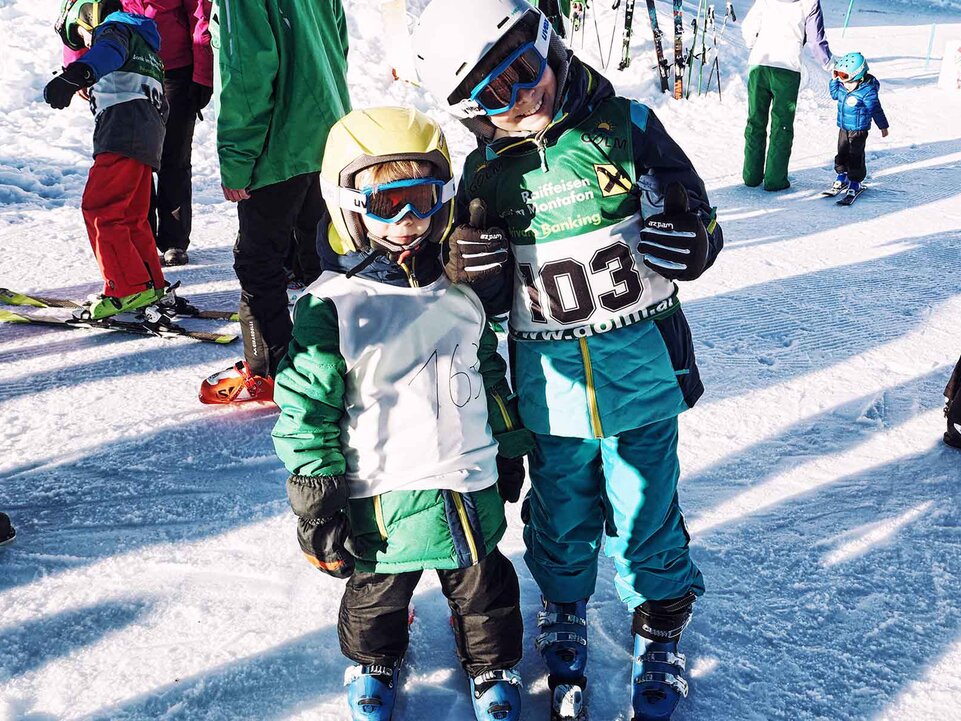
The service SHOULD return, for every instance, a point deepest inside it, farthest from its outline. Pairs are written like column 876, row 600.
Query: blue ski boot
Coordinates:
column 562, row 643
column 371, row 691
column 657, row 683
column 841, row 183
column 496, row 695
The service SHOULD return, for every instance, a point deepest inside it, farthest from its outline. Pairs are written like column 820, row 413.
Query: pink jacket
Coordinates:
column 184, row 35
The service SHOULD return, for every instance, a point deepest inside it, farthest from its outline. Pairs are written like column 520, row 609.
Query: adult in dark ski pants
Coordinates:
column 280, row 85
column 272, row 219
column 188, row 85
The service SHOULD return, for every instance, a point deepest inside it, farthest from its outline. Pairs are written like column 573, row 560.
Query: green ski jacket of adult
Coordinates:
column 281, row 84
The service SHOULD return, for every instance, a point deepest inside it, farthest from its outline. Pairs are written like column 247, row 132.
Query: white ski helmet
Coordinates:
column 444, row 57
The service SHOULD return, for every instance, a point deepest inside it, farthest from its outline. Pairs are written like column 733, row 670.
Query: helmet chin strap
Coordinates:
column 383, row 247
column 395, row 251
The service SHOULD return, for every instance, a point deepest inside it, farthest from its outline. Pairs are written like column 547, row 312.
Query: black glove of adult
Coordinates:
column 200, row 95
column 674, row 241
column 323, row 528
column 510, row 477
column 476, row 252
column 60, row 91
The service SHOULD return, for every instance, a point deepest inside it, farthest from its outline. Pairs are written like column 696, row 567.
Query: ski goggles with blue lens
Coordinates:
column 521, row 70
column 391, row 202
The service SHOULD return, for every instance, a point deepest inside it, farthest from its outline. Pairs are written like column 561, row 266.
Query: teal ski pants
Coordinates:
column 770, row 91
column 623, row 485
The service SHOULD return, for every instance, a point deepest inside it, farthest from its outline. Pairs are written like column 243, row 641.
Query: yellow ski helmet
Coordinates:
column 364, row 138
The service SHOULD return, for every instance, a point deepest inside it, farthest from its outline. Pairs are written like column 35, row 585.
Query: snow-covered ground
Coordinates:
column 156, row 573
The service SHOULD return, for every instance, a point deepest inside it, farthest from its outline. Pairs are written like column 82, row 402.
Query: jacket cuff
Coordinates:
column 317, row 497
column 516, row 443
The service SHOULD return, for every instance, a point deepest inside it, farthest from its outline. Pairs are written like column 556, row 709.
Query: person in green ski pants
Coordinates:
column 777, row 31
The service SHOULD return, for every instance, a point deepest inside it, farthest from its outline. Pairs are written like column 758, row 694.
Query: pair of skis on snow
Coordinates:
column 849, row 196
column 149, row 321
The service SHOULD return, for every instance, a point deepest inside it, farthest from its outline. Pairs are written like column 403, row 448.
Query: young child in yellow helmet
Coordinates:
column 396, row 421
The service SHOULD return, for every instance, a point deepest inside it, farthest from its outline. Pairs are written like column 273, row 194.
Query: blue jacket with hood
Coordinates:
column 127, row 98
column 857, row 108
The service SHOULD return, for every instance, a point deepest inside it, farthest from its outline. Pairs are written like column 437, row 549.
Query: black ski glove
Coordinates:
column 200, row 95
column 60, row 91
column 323, row 528
column 476, row 252
column 510, row 477
column 674, row 241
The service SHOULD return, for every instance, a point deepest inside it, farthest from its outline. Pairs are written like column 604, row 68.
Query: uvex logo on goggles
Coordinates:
column 521, row 70
column 390, row 202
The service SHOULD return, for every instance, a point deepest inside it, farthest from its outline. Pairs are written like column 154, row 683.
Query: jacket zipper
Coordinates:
column 591, row 394
column 468, row 534
column 503, row 408
column 379, row 515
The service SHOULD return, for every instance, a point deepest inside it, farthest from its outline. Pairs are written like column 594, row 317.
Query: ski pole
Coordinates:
column 692, row 54
column 708, row 23
column 847, row 18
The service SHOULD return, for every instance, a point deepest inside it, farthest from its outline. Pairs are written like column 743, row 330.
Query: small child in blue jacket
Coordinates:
column 858, row 104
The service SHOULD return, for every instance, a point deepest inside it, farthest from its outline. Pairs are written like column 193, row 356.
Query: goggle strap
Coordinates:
column 345, row 198
column 469, row 108
column 448, row 191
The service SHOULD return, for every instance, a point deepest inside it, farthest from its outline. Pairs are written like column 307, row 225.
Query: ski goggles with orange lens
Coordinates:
column 842, row 76
column 390, row 202
column 521, row 70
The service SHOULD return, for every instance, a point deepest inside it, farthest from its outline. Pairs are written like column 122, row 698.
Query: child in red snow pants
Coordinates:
column 115, row 204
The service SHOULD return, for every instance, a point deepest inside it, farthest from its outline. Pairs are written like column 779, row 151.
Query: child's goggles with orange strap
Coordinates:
column 521, row 70
column 390, row 202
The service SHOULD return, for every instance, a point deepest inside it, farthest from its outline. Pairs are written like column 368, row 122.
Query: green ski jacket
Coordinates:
column 281, row 83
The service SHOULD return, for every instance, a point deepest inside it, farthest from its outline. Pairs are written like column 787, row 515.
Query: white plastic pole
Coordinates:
column 927, row 60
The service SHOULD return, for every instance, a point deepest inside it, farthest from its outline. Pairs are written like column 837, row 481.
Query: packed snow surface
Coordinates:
column 156, row 573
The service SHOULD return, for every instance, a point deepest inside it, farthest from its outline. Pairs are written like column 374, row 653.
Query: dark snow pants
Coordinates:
column 484, row 602
column 170, row 212
column 770, row 91
column 269, row 220
column 850, row 157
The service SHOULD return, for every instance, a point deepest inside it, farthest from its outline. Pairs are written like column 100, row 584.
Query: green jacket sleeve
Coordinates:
column 513, row 440
column 248, row 63
column 309, row 389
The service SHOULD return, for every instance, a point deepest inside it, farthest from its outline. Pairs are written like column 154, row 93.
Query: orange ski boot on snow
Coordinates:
column 236, row 385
